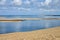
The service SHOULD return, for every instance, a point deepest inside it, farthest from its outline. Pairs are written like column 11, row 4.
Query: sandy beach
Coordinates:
column 45, row 34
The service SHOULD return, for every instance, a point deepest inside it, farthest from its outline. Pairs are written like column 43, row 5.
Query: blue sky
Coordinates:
column 30, row 7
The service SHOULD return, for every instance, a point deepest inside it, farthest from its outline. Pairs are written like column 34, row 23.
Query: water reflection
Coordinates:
column 28, row 25
column 8, row 27
column 2, row 27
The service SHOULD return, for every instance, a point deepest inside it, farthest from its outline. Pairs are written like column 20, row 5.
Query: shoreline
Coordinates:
column 50, row 34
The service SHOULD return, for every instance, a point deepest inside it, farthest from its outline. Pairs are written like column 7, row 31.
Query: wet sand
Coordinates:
column 45, row 34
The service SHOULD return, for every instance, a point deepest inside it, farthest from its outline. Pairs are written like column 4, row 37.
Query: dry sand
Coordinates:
column 45, row 34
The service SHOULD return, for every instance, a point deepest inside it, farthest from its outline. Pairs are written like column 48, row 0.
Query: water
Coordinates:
column 29, row 9
column 28, row 25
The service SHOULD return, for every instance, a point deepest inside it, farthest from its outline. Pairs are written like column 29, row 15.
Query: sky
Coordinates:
column 29, row 7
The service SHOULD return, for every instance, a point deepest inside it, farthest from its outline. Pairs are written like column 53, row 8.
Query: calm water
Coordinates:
column 29, row 25
column 29, row 9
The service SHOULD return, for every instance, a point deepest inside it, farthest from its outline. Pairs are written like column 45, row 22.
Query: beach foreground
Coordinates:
column 45, row 34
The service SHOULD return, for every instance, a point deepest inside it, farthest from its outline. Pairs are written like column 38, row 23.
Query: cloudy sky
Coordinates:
column 29, row 7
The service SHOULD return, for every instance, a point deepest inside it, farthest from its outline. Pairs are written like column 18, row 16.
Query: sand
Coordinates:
column 44, row 34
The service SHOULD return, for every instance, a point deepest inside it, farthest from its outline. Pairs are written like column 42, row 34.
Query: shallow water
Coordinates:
column 29, row 9
column 27, row 25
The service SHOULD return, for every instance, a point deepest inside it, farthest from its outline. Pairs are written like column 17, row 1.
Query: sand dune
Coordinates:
column 45, row 34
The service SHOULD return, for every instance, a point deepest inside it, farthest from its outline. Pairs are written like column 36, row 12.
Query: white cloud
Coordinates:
column 27, row 2
column 49, row 10
column 55, row 1
column 24, row 9
column 17, row 2
column 50, row 4
column 33, row 0
column 2, row 2
column 47, row 2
